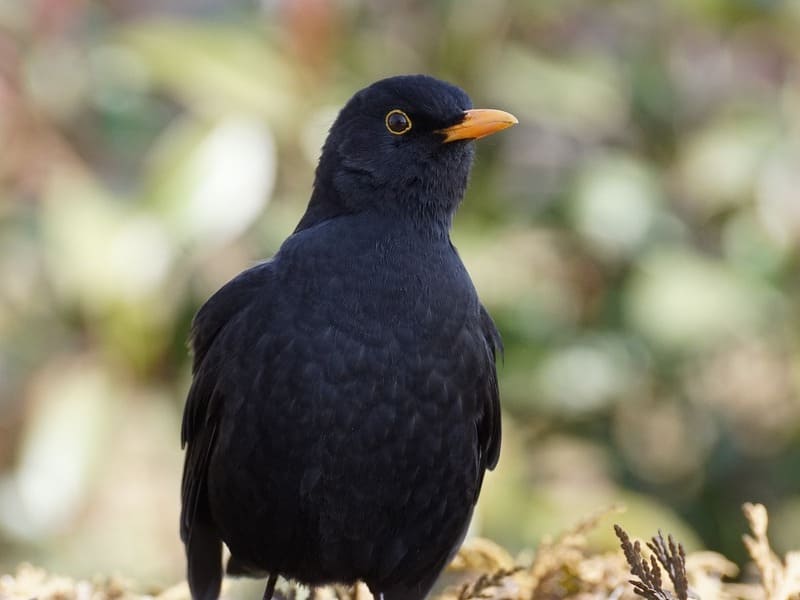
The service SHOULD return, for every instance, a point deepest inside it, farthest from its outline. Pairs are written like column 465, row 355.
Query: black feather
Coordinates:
column 345, row 404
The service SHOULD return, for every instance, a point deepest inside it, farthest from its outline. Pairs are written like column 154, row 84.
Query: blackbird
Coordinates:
column 344, row 403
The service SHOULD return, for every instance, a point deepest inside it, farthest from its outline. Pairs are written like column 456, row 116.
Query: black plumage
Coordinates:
column 344, row 406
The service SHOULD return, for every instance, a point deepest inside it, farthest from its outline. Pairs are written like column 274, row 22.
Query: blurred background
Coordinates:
column 635, row 237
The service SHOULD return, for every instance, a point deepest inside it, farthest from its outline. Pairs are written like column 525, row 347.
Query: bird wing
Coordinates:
column 210, row 321
column 200, row 425
column 488, row 423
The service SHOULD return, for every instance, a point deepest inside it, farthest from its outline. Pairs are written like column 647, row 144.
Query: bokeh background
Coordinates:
column 635, row 237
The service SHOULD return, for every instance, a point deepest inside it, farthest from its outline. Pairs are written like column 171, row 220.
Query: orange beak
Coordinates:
column 478, row 123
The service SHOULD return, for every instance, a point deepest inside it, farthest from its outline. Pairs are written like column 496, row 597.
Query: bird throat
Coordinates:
column 427, row 197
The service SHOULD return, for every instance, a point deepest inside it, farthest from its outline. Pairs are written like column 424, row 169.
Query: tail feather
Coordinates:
column 204, row 557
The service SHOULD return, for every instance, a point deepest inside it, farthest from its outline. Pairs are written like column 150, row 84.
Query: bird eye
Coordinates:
column 398, row 122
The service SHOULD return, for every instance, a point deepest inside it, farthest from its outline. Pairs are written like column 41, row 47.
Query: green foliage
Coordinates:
column 636, row 237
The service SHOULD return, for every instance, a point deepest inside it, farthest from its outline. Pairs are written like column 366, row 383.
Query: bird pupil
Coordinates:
column 398, row 122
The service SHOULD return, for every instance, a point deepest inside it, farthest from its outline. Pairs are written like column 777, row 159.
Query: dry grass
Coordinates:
column 563, row 567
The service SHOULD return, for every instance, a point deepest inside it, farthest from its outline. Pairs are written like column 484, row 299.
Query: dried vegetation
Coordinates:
column 562, row 567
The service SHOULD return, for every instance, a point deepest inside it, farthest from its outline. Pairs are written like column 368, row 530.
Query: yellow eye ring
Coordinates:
column 397, row 122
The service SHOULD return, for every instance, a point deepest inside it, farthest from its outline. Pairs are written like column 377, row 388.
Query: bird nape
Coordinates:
column 344, row 403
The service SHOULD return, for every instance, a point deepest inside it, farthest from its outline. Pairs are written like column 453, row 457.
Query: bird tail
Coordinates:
column 204, row 557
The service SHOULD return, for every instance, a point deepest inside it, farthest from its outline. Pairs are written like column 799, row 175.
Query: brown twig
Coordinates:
column 649, row 583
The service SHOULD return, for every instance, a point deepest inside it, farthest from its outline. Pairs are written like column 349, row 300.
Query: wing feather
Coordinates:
column 200, row 427
column 488, row 423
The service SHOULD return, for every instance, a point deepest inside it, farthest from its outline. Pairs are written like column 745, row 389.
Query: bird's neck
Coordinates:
column 324, row 205
column 429, row 217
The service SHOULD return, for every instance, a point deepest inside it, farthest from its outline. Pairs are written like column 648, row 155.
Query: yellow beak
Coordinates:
column 478, row 123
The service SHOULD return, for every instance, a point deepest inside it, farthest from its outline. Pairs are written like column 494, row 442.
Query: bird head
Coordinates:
column 401, row 146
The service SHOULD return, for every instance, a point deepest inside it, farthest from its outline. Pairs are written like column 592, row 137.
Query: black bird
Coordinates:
column 344, row 405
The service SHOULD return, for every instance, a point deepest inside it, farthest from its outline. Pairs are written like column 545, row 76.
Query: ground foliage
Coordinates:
column 562, row 567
